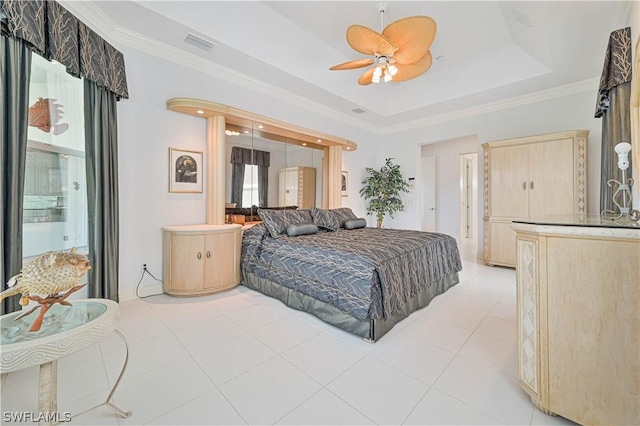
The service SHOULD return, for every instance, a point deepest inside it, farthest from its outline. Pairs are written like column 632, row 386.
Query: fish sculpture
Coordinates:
column 45, row 114
column 48, row 274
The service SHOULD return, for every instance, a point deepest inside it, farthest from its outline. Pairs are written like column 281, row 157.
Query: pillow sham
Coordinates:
column 344, row 214
column 355, row 223
column 297, row 229
column 326, row 219
column 276, row 221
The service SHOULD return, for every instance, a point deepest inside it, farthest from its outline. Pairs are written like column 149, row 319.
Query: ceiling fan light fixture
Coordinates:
column 400, row 51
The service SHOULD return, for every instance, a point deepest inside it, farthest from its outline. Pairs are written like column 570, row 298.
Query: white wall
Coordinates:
column 447, row 155
column 571, row 112
column 146, row 130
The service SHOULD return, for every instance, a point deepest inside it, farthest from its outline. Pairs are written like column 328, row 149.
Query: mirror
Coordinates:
column 269, row 171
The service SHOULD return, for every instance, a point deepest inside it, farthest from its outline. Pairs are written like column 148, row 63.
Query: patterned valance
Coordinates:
column 617, row 67
column 250, row 156
column 56, row 34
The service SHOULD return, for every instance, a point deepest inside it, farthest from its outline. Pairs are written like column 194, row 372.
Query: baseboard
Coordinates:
column 150, row 290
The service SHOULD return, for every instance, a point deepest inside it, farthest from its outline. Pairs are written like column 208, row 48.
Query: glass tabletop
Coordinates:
column 580, row 220
column 58, row 319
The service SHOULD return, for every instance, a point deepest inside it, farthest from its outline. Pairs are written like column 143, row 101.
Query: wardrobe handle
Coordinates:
column 531, row 185
column 524, row 186
column 208, row 255
column 199, row 255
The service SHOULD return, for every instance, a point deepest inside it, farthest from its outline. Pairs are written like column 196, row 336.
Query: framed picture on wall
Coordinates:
column 185, row 170
column 345, row 184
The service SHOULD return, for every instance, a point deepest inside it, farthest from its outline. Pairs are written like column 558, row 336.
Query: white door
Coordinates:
column 429, row 193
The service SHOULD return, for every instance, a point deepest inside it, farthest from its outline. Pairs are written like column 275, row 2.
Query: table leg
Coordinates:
column 108, row 401
column 48, row 391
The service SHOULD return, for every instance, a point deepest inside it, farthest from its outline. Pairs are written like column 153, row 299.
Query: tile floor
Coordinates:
column 243, row 358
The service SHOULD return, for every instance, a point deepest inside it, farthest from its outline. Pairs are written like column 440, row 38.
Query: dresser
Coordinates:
column 297, row 187
column 578, row 304
column 200, row 259
column 529, row 177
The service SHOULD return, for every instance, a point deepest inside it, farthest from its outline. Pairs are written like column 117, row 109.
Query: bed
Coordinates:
column 363, row 280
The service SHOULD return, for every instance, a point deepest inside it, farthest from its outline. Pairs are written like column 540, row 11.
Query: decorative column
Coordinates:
column 334, row 177
column 215, row 170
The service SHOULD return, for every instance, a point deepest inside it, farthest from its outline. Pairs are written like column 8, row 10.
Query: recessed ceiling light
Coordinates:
column 200, row 111
column 260, row 126
column 246, row 131
column 304, row 144
column 319, row 140
column 348, row 148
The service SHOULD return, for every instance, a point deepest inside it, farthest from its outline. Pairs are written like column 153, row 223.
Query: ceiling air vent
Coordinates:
column 358, row 110
column 198, row 42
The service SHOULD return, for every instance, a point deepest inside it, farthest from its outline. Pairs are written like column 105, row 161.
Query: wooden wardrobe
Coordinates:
column 297, row 187
column 530, row 177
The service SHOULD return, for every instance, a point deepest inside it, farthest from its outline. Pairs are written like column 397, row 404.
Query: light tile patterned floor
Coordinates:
column 242, row 358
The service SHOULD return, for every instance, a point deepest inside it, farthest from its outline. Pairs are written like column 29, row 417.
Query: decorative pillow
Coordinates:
column 326, row 219
column 277, row 221
column 355, row 223
column 344, row 214
column 297, row 229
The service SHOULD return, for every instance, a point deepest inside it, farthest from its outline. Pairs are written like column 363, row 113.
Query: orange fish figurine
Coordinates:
column 45, row 114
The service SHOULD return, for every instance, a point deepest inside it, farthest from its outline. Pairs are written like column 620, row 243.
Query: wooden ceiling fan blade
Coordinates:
column 368, row 42
column 409, row 71
column 412, row 36
column 366, row 77
column 359, row 63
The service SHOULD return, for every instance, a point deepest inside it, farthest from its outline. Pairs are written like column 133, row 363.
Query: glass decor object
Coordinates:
column 623, row 192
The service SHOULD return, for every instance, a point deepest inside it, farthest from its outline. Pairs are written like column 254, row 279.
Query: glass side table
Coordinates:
column 65, row 330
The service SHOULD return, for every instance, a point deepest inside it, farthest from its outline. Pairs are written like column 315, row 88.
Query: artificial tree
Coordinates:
column 382, row 188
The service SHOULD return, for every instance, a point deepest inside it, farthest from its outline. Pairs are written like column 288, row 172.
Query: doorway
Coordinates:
column 469, row 204
column 428, row 168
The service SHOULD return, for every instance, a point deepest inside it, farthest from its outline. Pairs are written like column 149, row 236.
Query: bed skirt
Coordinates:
column 370, row 330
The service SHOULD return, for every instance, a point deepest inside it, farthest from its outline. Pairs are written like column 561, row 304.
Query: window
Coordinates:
column 250, row 186
column 55, row 196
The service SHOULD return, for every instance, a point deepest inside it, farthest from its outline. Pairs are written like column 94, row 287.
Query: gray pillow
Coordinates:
column 297, row 229
column 332, row 219
column 276, row 221
column 344, row 214
column 326, row 219
column 355, row 223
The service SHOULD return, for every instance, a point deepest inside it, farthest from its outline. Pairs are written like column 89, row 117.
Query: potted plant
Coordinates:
column 382, row 188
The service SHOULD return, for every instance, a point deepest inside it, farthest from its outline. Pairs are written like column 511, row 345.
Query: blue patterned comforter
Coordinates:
column 368, row 273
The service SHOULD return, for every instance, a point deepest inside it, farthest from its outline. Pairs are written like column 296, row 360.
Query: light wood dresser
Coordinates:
column 529, row 177
column 578, row 302
column 201, row 259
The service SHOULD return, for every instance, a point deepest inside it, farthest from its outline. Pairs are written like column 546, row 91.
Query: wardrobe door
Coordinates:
column 551, row 185
column 509, row 181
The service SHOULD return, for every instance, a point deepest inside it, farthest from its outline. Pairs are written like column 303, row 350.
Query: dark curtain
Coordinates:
column 239, row 158
column 613, row 106
column 15, row 72
column 54, row 33
column 101, row 139
column 263, row 160
column 263, row 186
column 237, row 182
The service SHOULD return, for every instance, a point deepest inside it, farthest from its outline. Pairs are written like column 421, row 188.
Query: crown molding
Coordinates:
column 181, row 57
column 110, row 30
column 588, row 85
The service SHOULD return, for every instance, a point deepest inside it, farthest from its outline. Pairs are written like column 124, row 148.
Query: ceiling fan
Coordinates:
column 401, row 51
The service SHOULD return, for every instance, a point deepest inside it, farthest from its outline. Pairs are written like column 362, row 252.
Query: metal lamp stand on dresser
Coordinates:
column 578, row 303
